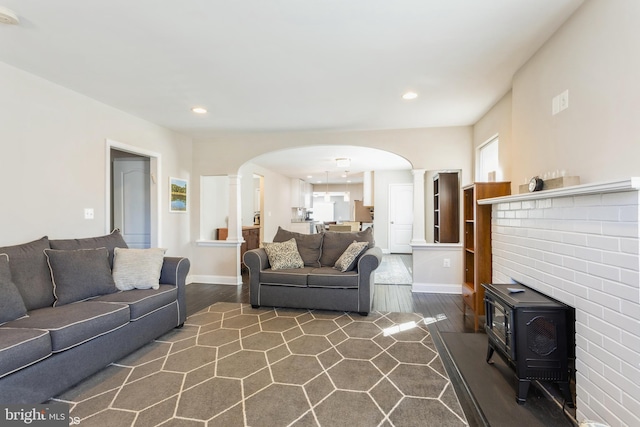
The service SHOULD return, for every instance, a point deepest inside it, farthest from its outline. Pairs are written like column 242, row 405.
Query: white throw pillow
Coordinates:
column 137, row 268
column 347, row 260
column 283, row 255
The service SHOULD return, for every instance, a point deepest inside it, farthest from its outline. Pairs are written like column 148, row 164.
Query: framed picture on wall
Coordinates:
column 178, row 195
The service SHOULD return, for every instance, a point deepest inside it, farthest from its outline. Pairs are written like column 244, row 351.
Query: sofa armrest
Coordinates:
column 256, row 260
column 174, row 272
column 369, row 261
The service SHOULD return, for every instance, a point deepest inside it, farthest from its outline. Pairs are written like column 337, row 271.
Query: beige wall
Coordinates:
column 53, row 162
column 594, row 56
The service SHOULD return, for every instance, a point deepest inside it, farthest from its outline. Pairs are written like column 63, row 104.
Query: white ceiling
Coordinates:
column 283, row 65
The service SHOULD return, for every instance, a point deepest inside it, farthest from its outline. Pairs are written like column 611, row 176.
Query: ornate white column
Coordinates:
column 418, row 207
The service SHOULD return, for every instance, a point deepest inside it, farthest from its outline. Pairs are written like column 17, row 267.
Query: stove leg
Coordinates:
column 489, row 354
column 523, row 389
column 566, row 391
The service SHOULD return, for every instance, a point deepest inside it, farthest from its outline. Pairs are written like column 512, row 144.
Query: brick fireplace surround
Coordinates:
column 580, row 245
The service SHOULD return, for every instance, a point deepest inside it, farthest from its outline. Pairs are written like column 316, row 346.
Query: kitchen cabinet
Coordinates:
column 446, row 208
column 251, row 236
column 301, row 194
column 477, row 243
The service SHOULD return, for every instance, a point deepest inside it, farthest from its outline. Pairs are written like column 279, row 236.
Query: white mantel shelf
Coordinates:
column 631, row 184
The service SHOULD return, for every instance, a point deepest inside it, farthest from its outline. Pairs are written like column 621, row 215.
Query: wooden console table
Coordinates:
column 251, row 236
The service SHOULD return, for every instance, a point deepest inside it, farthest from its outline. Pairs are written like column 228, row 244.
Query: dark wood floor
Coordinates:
column 444, row 309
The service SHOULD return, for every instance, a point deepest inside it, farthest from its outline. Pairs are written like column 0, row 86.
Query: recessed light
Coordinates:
column 199, row 110
column 8, row 17
column 410, row 95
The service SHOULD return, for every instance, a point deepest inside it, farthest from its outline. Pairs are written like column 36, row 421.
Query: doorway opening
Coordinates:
column 133, row 194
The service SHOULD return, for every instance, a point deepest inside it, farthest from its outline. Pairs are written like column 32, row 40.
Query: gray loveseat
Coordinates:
column 62, row 318
column 316, row 285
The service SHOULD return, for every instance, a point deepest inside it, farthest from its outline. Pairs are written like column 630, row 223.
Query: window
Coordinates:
column 487, row 165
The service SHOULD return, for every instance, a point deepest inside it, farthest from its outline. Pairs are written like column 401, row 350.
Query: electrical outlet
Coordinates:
column 555, row 105
column 88, row 213
column 564, row 100
column 446, row 263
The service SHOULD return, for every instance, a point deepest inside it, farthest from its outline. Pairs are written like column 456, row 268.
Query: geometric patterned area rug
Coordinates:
column 232, row 365
column 392, row 271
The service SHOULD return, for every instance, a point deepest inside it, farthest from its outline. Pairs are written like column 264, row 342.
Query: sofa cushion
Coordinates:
column 309, row 245
column 336, row 242
column 349, row 257
column 11, row 304
column 73, row 324
column 143, row 301
column 283, row 255
column 109, row 241
column 30, row 272
column 20, row 348
column 79, row 274
column 286, row 277
column 137, row 268
column 329, row 277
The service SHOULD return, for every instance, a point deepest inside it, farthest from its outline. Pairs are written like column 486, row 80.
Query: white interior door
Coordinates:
column 400, row 217
column 131, row 201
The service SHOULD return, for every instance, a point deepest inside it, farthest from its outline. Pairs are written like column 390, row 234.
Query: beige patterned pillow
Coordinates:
column 137, row 268
column 347, row 260
column 283, row 255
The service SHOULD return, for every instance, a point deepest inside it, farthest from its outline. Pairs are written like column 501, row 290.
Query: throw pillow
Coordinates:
column 30, row 272
column 335, row 243
column 283, row 255
column 309, row 245
column 11, row 303
column 347, row 260
column 79, row 274
column 110, row 241
column 137, row 268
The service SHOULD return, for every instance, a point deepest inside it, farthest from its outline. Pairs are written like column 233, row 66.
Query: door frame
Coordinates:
column 154, row 193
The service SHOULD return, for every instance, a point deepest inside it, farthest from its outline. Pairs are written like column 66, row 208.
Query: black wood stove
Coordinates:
column 533, row 333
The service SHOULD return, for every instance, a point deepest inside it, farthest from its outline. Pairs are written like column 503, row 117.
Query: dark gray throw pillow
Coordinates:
column 309, row 245
column 30, row 272
column 80, row 274
column 109, row 241
column 336, row 242
column 11, row 303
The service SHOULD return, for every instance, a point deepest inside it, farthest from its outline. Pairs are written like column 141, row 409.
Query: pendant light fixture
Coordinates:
column 346, row 187
column 327, row 197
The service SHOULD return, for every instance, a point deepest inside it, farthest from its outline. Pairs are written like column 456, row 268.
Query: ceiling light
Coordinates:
column 8, row 17
column 343, row 162
column 199, row 110
column 410, row 95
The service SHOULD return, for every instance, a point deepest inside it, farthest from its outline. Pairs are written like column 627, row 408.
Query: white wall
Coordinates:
column 598, row 136
column 53, row 159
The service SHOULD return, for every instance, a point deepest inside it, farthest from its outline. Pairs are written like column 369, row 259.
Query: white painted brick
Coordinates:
column 564, row 297
column 632, row 372
column 589, row 281
column 624, row 352
column 632, row 409
column 623, row 382
column 616, row 259
column 605, row 328
column 608, row 412
column 529, row 204
column 629, row 277
column 514, row 206
column 522, row 214
column 590, row 200
column 574, row 264
column 593, row 364
column 604, row 271
column 543, row 203
column 502, row 206
column 509, row 214
column 629, row 213
column 564, row 273
column 499, row 214
column 604, row 213
column 552, row 258
column 537, row 213
column 608, row 359
column 575, row 239
column 630, row 246
column 588, row 254
column 605, row 299
column 620, row 198
column 514, row 223
column 622, row 229
column 572, row 214
column 553, row 213
column 616, row 318
column 562, row 202
column 620, row 290
column 605, row 243
column 590, row 307
column 589, row 227
column 632, row 310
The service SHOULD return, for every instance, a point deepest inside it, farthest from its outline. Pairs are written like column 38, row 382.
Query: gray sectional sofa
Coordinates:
column 317, row 284
column 62, row 317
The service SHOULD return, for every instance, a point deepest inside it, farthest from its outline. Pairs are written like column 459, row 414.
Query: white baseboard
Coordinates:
column 214, row 280
column 436, row 288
